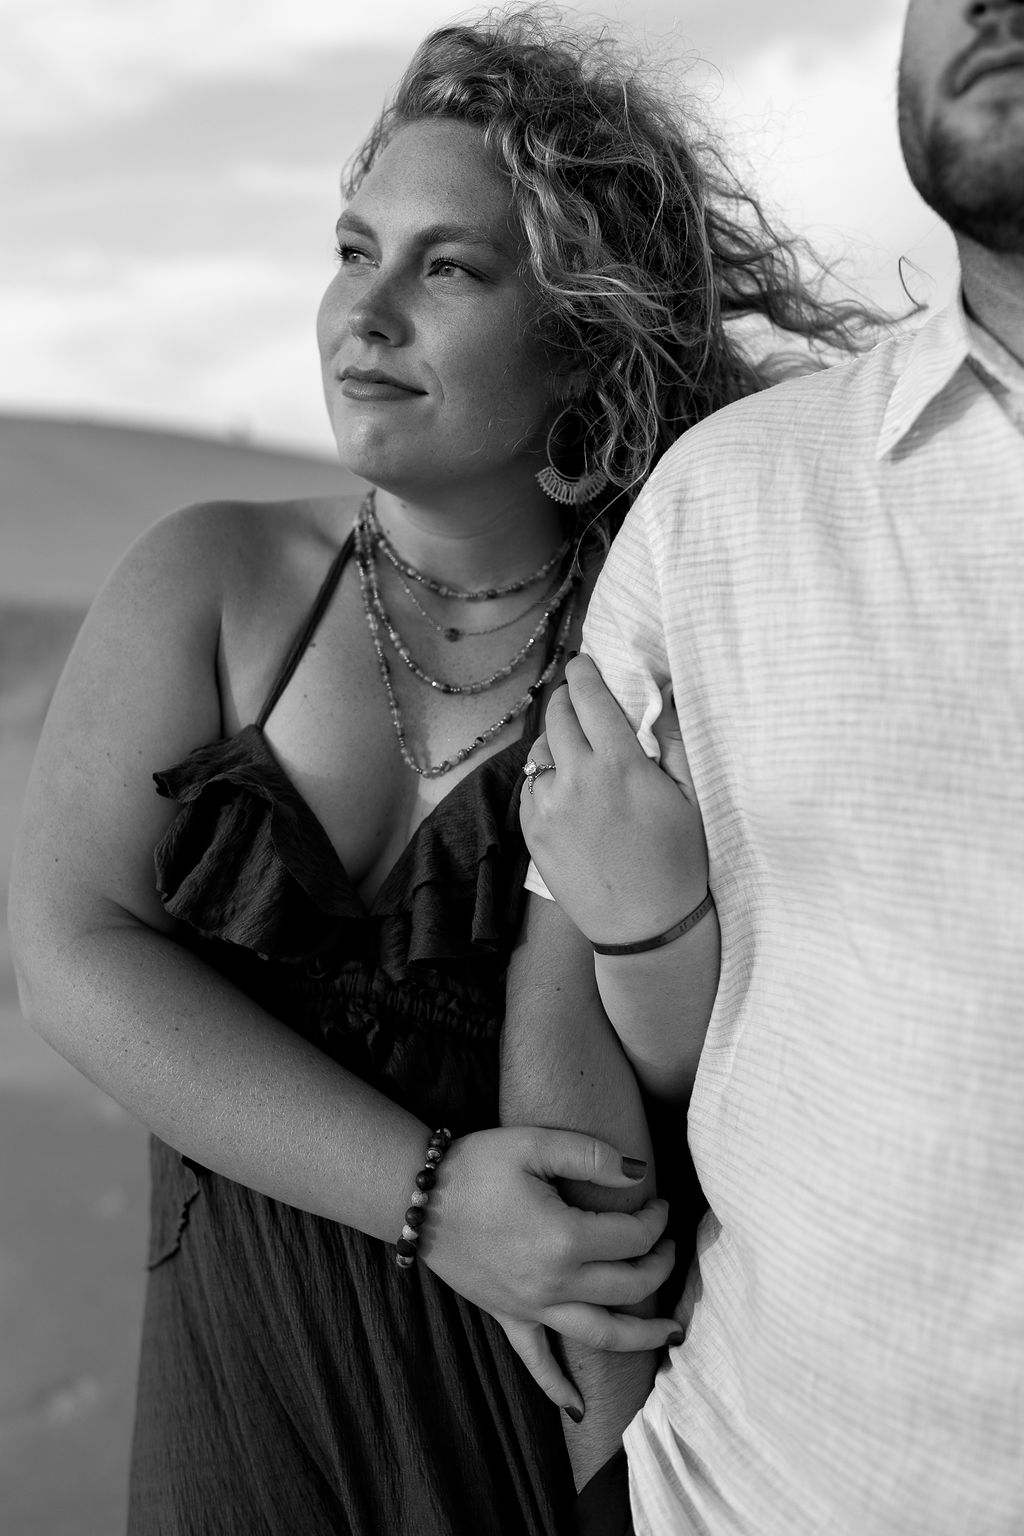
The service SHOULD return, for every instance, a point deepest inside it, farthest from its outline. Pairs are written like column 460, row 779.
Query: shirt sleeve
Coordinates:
column 624, row 632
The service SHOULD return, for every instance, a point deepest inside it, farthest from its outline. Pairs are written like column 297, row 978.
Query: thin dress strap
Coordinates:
column 308, row 630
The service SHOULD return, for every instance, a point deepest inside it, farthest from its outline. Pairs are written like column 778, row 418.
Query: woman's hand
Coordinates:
column 500, row 1234
column 617, row 838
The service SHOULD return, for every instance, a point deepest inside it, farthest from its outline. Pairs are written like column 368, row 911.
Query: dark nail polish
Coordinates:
column 571, row 655
column 675, row 1338
column 634, row 1167
column 576, row 1414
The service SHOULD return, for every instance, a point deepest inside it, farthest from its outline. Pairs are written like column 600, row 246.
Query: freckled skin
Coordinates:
column 452, row 317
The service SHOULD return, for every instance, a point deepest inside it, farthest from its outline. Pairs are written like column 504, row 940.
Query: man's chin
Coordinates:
column 977, row 188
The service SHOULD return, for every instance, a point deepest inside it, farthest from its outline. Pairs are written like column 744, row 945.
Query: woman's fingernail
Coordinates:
column 674, row 1339
column 576, row 1414
column 571, row 655
column 634, row 1167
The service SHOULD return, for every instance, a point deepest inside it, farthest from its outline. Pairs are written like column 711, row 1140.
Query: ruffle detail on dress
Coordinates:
column 247, row 861
column 459, row 882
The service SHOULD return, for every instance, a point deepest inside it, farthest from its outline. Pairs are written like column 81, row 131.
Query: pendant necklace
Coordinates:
column 451, row 632
column 368, row 537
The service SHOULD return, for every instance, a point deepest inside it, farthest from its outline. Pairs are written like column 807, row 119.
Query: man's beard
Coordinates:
column 975, row 185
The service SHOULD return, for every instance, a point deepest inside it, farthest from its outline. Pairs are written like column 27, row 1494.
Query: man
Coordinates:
column 830, row 576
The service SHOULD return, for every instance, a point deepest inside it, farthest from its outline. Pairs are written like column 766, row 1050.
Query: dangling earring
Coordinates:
column 570, row 490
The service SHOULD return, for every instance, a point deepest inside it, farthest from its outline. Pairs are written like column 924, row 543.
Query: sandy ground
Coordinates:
column 73, row 1171
column 71, row 1218
column 72, row 1233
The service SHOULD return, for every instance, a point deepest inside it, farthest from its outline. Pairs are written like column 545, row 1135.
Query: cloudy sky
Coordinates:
column 170, row 174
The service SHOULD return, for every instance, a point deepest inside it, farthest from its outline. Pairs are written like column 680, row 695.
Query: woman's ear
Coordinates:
column 572, row 380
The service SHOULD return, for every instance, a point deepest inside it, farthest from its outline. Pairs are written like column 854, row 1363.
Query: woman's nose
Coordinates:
column 377, row 314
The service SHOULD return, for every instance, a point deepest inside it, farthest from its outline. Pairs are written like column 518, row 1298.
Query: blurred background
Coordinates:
column 169, row 185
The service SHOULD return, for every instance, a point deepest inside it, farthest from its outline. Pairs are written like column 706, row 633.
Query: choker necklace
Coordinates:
column 366, row 543
column 387, row 549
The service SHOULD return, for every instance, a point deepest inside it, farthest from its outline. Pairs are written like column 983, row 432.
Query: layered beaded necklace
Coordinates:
column 451, row 632
column 390, row 553
column 369, row 539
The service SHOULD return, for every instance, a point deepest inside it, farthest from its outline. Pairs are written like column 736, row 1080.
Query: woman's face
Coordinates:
column 433, row 373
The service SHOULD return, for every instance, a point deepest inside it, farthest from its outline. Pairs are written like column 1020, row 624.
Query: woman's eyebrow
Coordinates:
column 463, row 234
column 353, row 222
column 437, row 234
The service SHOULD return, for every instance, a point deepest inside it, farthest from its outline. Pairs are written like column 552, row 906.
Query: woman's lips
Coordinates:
column 372, row 386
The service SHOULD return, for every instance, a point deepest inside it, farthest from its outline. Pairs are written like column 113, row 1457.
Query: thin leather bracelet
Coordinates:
column 689, row 921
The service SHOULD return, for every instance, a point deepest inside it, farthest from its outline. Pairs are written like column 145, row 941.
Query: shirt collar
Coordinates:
column 938, row 349
column 999, row 370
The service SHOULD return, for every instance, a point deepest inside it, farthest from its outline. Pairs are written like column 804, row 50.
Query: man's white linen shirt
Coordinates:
column 831, row 577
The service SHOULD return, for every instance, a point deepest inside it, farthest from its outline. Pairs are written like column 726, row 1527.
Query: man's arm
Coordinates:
column 562, row 1066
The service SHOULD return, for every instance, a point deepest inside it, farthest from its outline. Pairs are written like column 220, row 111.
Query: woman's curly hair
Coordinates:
column 643, row 248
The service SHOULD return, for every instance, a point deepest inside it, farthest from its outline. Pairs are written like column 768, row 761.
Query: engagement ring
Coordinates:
column 533, row 771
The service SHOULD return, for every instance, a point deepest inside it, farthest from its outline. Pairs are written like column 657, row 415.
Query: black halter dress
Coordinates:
column 294, row 1381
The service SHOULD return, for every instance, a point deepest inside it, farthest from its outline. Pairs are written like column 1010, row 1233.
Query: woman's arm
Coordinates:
column 620, row 844
column 105, row 981
column 562, row 1066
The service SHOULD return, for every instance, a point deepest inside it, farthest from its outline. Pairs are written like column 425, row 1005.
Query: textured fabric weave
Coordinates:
column 831, row 576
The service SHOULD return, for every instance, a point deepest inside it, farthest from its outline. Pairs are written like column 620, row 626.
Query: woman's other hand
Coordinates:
column 617, row 837
column 500, row 1234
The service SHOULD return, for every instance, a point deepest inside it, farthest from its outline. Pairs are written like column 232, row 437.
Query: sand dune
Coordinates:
column 73, row 495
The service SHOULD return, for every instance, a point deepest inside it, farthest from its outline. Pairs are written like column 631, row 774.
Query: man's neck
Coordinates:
column 994, row 292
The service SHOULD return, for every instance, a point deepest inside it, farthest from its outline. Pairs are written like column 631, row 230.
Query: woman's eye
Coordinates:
column 444, row 266
column 350, row 255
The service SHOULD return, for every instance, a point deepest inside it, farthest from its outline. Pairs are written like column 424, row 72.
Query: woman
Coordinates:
column 336, row 699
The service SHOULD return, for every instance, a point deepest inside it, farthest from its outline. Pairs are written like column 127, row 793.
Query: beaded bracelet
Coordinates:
column 641, row 946
column 416, row 1215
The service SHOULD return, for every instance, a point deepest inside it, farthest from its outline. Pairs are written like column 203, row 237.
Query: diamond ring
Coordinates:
column 534, row 770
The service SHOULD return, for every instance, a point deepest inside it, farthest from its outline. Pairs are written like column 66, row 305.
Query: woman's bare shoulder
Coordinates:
column 147, row 681
column 239, row 551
